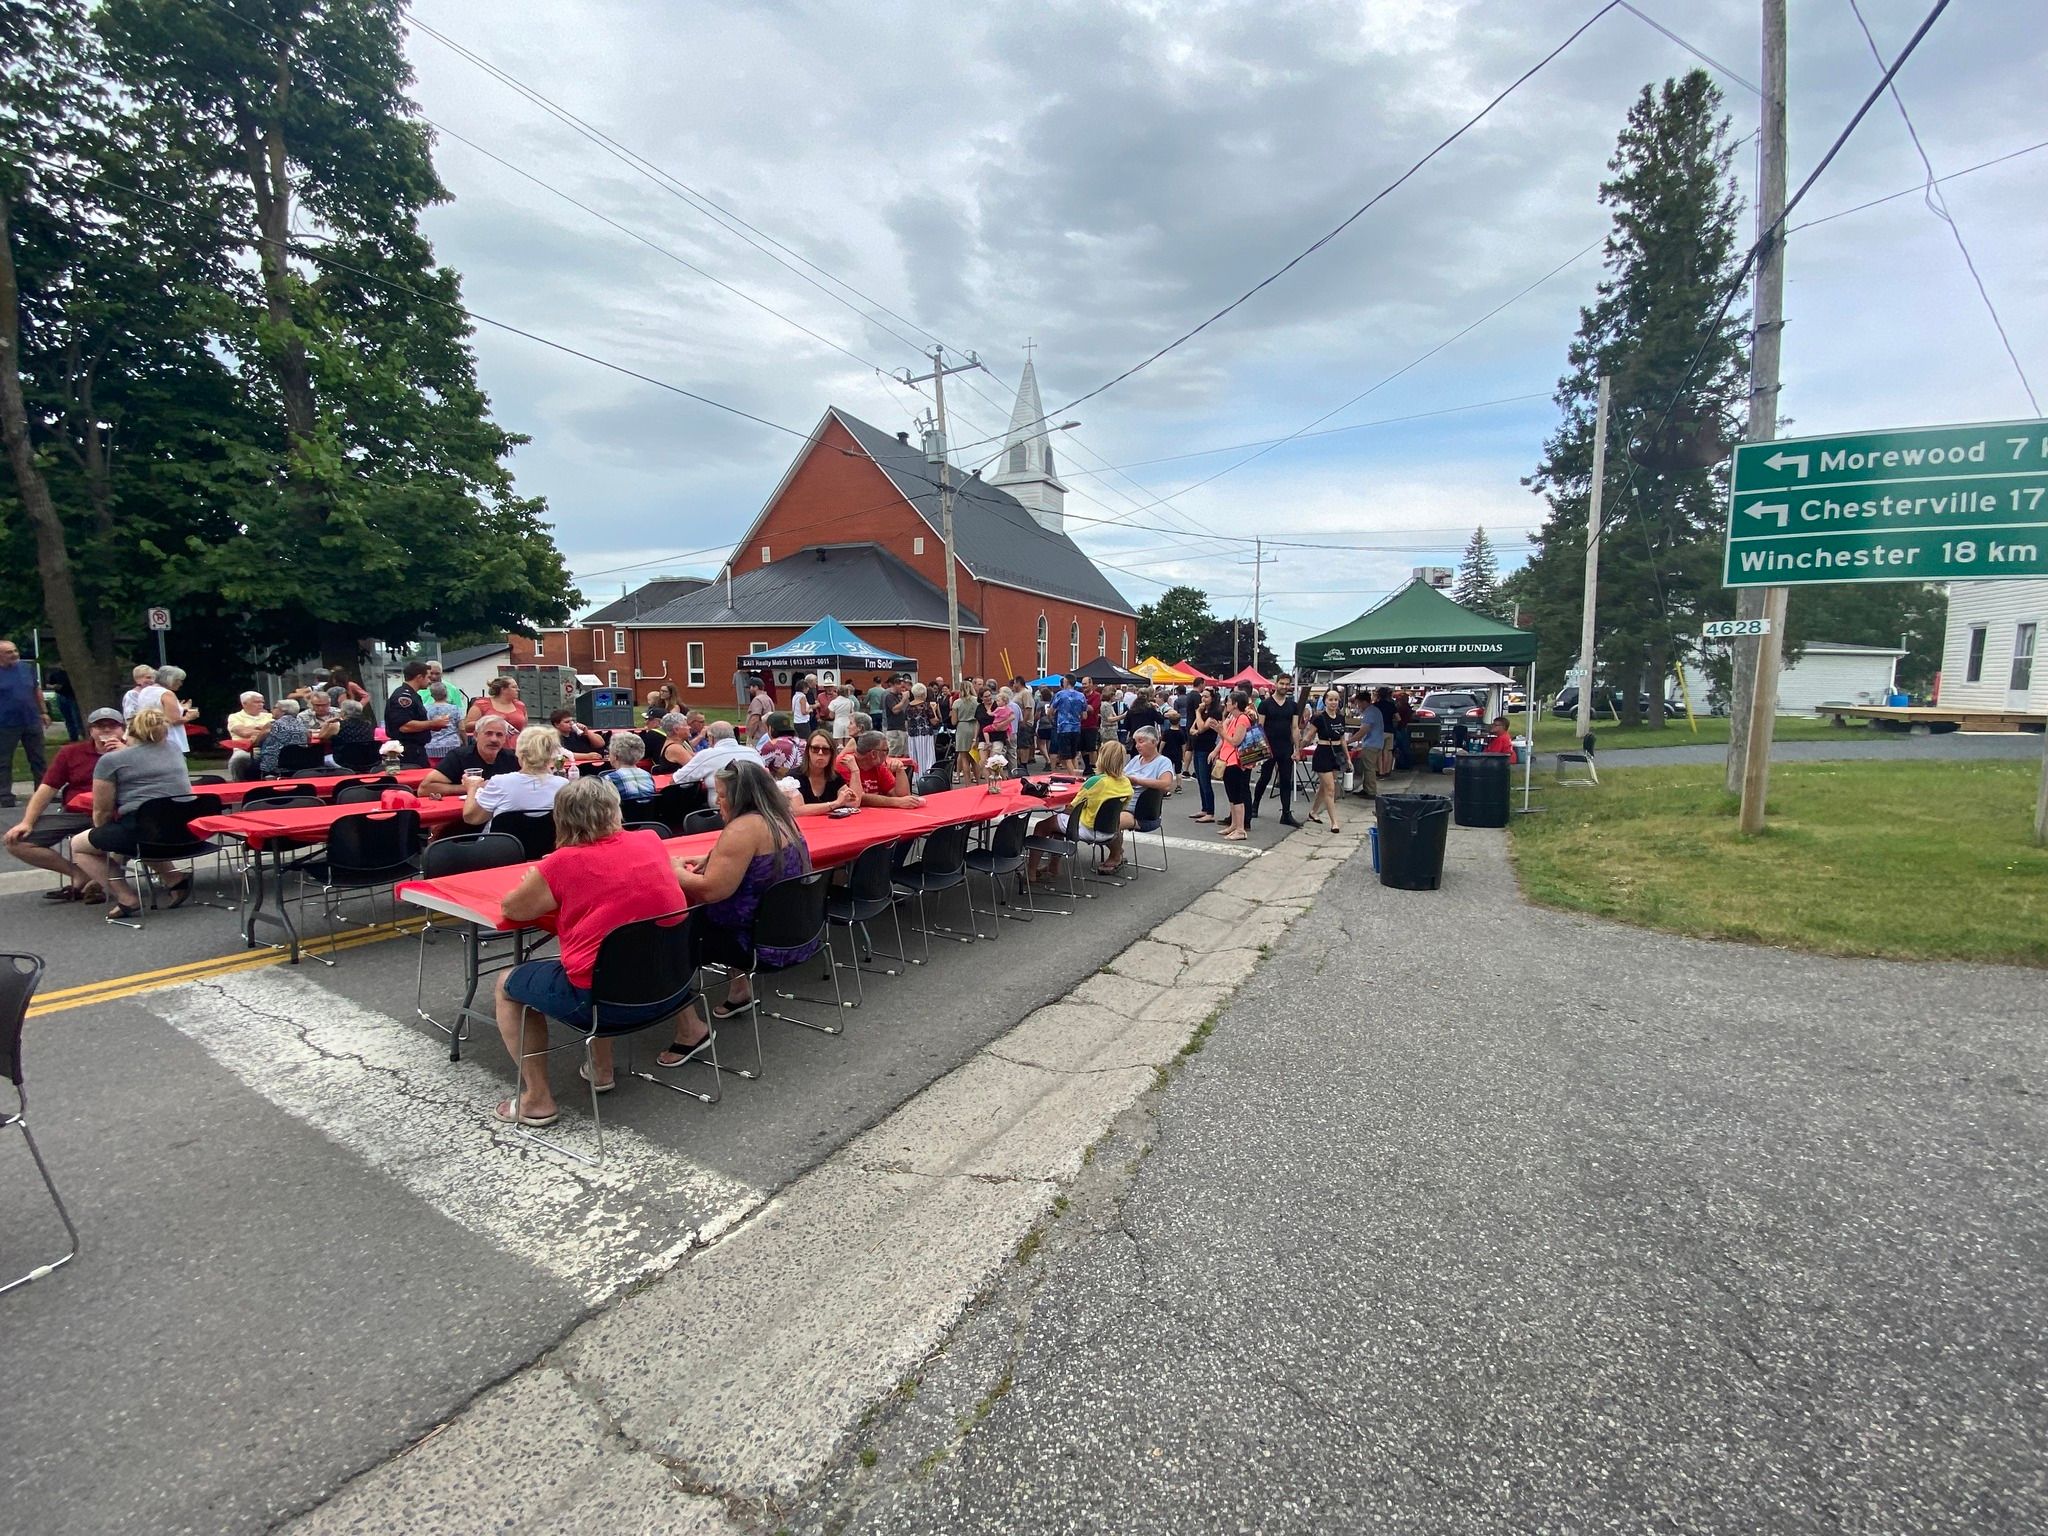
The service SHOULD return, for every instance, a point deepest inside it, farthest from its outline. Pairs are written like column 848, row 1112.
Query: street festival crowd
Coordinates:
column 829, row 751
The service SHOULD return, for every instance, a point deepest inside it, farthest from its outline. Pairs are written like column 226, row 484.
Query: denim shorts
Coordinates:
column 545, row 986
column 1066, row 743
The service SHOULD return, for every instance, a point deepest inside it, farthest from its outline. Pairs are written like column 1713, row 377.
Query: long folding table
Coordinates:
column 324, row 785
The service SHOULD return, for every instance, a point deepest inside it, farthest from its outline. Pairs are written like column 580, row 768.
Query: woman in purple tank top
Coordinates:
column 759, row 846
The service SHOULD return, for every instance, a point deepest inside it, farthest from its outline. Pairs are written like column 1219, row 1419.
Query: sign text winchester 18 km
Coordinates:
column 1963, row 503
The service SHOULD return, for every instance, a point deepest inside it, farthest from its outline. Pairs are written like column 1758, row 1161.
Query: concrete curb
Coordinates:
column 710, row 1399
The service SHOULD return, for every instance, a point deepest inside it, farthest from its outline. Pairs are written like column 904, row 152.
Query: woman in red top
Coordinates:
column 501, row 698
column 599, row 877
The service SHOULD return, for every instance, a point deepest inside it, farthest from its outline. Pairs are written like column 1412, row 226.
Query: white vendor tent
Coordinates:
column 1424, row 677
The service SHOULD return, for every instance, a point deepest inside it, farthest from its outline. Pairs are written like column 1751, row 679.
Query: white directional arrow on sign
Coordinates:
column 1780, row 460
column 1778, row 509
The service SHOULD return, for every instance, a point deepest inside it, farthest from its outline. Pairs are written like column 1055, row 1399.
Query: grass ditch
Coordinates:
column 1913, row 861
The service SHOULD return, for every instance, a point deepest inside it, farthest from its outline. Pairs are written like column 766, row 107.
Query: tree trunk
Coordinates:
column 1658, row 670
column 91, row 673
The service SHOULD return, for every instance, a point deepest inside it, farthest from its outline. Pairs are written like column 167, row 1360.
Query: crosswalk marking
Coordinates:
column 392, row 1098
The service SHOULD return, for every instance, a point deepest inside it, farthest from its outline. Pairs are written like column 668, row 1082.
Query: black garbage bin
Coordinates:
column 1480, row 786
column 1412, row 830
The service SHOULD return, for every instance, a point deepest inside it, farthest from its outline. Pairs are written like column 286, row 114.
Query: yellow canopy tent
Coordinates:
column 1162, row 672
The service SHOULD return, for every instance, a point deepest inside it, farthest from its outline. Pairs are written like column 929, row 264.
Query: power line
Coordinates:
column 1892, row 197
column 1356, row 214
column 1938, row 206
column 1705, row 58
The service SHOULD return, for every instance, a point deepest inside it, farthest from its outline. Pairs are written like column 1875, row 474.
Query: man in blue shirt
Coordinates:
column 1068, row 706
column 24, row 714
column 1372, row 736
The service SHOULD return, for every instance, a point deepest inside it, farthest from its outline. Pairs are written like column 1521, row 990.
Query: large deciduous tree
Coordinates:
column 1231, row 645
column 1677, row 365
column 1173, row 626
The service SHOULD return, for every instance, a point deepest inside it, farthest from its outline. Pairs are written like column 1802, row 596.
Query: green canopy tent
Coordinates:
column 1418, row 626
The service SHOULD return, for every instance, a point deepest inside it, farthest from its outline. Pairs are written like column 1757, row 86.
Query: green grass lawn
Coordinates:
column 1908, row 860
column 1563, row 736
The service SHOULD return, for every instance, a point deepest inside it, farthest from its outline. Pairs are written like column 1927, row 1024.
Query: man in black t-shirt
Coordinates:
column 1280, row 714
column 405, row 716
column 490, row 755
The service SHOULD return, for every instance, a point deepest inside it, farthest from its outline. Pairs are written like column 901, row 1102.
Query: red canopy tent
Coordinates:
column 1195, row 672
column 1248, row 678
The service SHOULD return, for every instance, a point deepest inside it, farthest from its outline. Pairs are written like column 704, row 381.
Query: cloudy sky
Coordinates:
column 1099, row 176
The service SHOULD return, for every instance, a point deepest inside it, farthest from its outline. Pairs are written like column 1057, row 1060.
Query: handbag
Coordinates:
column 1252, row 750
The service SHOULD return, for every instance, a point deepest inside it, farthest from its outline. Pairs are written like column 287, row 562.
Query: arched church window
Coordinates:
column 1127, row 649
column 1074, row 644
column 1017, row 460
column 1102, row 640
column 1044, row 646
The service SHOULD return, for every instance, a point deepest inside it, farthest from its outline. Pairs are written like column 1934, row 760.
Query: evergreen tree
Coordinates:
column 1669, row 258
column 1229, row 647
column 1478, row 584
column 1173, row 626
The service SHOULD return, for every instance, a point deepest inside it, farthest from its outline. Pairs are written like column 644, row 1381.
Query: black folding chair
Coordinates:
column 674, row 803
column 19, row 977
column 1149, row 812
column 366, row 852
column 935, row 780
column 358, row 759
column 485, row 951
column 534, row 829
column 209, row 778
column 1003, row 855
column 658, row 828
column 943, row 867
column 1105, row 825
column 163, row 833
column 264, row 794
column 297, row 759
column 869, row 891
column 649, row 964
column 1064, row 846
column 791, row 917
column 360, row 792
column 702, row 821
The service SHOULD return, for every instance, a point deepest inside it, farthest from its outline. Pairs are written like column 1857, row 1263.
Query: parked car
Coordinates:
column 1448, row 706
column 1607, row 705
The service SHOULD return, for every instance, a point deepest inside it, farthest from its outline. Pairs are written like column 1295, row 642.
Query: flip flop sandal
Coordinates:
column 732, row 1010
column 62, row 893
column 506, row 1112
column 180, row 894
column 684, row 1054
column 584, row 1073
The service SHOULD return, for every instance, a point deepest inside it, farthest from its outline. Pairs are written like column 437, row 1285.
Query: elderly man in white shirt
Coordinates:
column 722, row 745
column 1149, row 768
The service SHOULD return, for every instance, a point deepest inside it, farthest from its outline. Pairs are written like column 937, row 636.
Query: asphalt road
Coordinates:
column 1428, row 1241
column 305, row 1246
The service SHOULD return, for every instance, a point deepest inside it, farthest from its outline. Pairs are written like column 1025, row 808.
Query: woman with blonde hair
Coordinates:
column 123, row 782
column 532, row 788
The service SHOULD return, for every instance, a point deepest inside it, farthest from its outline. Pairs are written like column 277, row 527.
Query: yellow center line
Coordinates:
column 115, row 988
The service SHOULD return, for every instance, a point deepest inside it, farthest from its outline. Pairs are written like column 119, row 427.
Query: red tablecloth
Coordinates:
column 308, row 824
column 832, row 840
column 322, row 785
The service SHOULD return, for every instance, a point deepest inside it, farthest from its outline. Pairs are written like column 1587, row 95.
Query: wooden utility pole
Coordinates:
column 1592, row 567
column 1765, row 350
column 935, row 454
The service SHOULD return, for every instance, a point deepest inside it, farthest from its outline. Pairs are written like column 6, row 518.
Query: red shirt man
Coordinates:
column 867, row 766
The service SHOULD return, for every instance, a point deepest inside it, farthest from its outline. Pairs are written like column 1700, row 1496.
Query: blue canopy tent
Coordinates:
column 828, row 643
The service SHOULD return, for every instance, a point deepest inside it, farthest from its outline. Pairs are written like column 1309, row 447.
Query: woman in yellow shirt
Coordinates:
column 1105, row 784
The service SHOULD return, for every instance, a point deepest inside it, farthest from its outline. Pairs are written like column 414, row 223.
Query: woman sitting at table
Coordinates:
column 676, row 750
column 760, row 844
column 533, row 788
column 599, row 877
column 819, row 783
column 149, row 768
column 780, row 749
column 623, row 771
column 576, row 736
column 1106, row 783
column 353, row 746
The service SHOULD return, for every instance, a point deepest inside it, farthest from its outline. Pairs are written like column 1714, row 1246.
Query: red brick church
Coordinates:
column 853, row 530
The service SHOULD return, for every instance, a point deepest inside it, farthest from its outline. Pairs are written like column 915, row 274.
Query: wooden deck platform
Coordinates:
column 1903, row 717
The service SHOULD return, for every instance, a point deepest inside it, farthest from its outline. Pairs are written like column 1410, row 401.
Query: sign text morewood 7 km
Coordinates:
column 1925, row 504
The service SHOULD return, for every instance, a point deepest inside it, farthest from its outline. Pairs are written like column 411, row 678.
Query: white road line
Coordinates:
column 1198, row 845
column 390, row 1096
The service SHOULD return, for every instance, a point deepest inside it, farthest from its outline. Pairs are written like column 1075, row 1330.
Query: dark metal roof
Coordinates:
column 998, row 538
column 644, row 599
column 463, row 656
column 855, row 583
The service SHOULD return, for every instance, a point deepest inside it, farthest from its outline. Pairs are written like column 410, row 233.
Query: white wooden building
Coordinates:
column 1988, row 653
column 1832, row 672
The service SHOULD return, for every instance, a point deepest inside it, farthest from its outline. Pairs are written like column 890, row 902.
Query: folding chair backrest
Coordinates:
column 298, row 759
column 658, row 828
column 19, row 977
column 869, row 878
column 534, row 829
column 945, row 850
column 643, row 964
column 792, row 913
column 263, row 793
column 356, row 759
column 1108, row 816
column 284, row 803
column 1008, row 841
column 702, row 821
column 373, row 840
column 209, row 778
column 1151, row 803
column 935, row 780
column 674, row 803
column 165, row 823
column 470, row 852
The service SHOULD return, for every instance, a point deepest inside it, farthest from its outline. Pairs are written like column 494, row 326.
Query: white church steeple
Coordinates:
column 1026, row 468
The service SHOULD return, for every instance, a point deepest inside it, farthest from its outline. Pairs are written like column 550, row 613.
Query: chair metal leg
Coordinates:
column 41, row 1271
column 708, row 1045
column 838, row 998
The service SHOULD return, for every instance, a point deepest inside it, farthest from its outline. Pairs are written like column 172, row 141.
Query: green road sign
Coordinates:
column 1924, row 504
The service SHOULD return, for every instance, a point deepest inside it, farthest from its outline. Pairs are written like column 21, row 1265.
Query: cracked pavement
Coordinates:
column 1425, row 1239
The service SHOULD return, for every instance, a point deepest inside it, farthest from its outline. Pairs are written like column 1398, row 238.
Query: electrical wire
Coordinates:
column 1938, row 206
column 1892, row 197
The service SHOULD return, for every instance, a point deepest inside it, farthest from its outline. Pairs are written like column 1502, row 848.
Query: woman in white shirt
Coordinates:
column 532, row 788
column 161, row 693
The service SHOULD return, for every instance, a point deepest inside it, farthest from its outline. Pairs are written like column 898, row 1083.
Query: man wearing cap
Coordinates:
column 42, row 837
column 24, row 716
